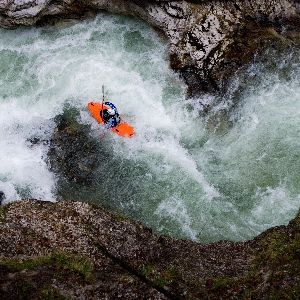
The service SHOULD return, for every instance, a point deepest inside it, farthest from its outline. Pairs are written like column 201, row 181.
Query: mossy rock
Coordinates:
column 81, row 265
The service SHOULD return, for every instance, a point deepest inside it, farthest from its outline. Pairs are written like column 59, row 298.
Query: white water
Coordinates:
column 182, row 175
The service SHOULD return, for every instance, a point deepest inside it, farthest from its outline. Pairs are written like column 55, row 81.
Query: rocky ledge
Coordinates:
column 209, row 39
column 74, row 250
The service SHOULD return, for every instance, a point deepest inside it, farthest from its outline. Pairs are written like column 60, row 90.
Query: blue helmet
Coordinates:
column 111, row 105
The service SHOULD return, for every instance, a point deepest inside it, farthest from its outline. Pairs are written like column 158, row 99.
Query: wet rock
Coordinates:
column 209, row 40
column 33, row 141
column 73, row 152
column 76, row 250
column 2, row 197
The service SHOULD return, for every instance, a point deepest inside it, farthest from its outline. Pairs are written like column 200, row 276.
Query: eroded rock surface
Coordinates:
column 208, row 39
column 74, row 250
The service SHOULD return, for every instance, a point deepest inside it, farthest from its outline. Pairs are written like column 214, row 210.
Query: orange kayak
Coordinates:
column 122, row 129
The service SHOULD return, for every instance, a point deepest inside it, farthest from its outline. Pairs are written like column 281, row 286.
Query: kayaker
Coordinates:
column 111, row 119
column 110, row 116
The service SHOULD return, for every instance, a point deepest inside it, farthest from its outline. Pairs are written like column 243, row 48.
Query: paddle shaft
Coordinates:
column 102, row 104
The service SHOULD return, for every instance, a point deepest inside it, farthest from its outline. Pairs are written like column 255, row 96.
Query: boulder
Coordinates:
column 73, row 152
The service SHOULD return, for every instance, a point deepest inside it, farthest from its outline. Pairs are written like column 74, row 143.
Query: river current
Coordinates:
column 230, row 174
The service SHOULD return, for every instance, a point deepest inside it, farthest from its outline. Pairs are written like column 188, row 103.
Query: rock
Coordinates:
column 73, row 152
column 76, row 250
column 2, row 197
column 209, row 40
column 33, row 141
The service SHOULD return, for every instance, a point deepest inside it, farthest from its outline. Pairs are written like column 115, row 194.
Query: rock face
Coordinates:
column 73, row 250
column 208, row 39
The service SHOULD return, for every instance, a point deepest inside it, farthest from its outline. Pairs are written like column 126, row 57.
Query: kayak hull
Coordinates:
column 122, row 129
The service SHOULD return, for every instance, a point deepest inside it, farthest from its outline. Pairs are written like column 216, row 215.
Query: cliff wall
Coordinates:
column 209, row 40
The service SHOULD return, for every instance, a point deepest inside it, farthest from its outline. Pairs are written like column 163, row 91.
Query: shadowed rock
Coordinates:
column 73, row 152
column 75, row 250
column 2, row 197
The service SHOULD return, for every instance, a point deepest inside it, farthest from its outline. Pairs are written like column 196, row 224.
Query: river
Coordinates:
column 230, row 174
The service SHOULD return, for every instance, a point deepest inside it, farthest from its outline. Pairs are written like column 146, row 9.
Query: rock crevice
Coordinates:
column 77, row 250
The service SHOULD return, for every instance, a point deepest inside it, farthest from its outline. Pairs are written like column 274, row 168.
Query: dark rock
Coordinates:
column 73, row 152
column 91, row 253
column 2, row 197
column 33, row 141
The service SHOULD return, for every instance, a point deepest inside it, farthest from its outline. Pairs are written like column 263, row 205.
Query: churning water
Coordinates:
column 229, row 175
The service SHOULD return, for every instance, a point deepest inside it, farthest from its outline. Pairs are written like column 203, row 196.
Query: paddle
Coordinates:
column 102, row 104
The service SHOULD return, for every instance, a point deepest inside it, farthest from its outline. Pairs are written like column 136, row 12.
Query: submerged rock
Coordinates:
column 208, row 39
column 2, row 197
column 73, row 152
column 74, row 250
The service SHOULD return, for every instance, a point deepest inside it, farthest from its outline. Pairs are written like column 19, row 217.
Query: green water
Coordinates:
column 229, row 175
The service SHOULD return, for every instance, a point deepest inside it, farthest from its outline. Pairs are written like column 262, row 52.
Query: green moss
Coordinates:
column 119, row 217
column 57, row 260
column 280, row 249
column 50, row 293
column 158, row 278
column 147, row 270
column 3, row 211
column 162, row 281
column 80, row 264
column 296, row 222
column 276, row 263
column 220, row 283
column 173, row 273
column 25, row 289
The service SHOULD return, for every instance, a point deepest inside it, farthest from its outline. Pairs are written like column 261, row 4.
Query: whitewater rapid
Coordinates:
column 228, row 175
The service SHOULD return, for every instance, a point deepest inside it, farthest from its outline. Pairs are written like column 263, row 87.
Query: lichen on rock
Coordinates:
column 77, row 250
